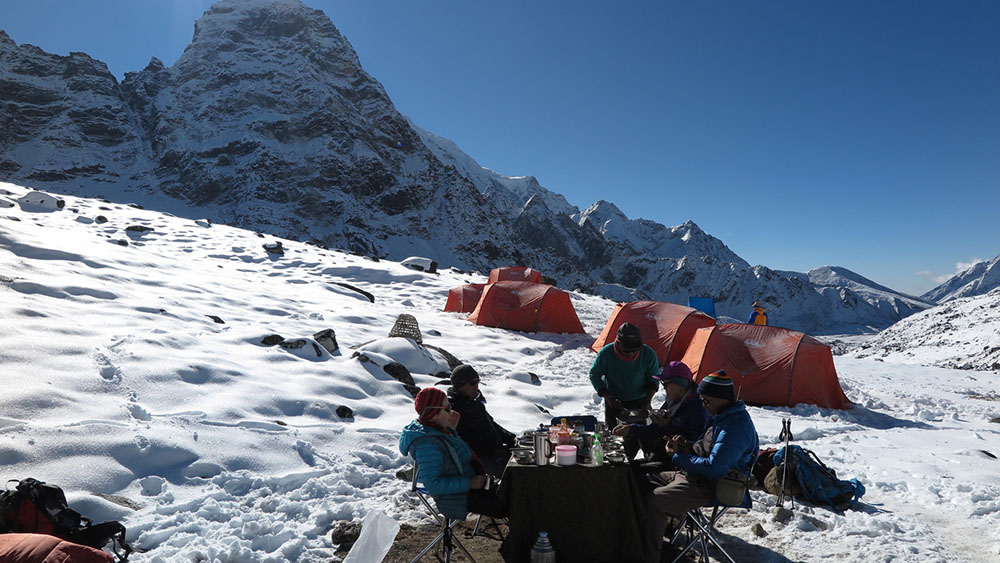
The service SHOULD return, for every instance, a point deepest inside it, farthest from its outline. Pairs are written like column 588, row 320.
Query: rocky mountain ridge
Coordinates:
column 268, row 121
column 978, row 279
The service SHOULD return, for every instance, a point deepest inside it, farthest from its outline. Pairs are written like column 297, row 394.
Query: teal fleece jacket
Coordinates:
column 624, row 380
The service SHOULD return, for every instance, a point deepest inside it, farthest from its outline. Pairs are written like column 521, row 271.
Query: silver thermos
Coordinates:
column 543, row 448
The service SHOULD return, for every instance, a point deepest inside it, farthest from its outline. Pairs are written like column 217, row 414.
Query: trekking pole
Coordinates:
column 786, row 435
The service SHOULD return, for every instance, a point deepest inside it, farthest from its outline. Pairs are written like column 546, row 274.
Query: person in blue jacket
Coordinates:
column 731, row 443
column 448, row 469
column 681, row 414
column 757, row 316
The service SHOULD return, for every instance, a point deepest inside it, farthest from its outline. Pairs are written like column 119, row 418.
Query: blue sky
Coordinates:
column 802, row 134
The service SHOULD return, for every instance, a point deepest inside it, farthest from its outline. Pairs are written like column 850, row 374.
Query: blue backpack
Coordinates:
column 818, row 482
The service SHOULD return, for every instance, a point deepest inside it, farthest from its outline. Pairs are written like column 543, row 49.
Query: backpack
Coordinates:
column 819, row 483
column 37, row 508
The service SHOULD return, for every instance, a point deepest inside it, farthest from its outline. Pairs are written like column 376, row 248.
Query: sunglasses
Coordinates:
column 445, row 408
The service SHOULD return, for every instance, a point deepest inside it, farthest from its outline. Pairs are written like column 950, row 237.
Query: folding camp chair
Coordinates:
column 589, row 421
column 701, row 531
column 447, row 538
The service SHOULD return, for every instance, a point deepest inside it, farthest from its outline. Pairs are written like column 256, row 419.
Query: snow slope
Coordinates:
column 963, row 333
column 210, row 446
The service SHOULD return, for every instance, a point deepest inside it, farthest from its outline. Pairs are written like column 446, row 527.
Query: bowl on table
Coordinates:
column 615, row 457
column 523, row 456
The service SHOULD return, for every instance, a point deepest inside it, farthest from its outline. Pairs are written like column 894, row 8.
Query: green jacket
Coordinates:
column 624, row 380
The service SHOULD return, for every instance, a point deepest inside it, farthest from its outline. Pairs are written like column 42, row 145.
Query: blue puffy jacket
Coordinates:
column 734, row 445
column 445, row 466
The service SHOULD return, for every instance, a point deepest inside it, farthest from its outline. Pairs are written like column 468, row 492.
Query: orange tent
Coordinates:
column 463, row 299
column 769, row 365
column 665, row 327
column 531, row 307
column 514, row 273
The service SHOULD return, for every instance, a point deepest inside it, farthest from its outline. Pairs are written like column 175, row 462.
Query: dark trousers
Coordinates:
column 487, row 503
column 611, row 419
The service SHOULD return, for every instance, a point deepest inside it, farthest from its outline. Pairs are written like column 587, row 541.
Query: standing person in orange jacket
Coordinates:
column 758, row 316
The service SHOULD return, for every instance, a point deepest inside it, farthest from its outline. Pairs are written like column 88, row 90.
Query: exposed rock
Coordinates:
column 357, row 289
column 399, row 372
column 781, row 514
column 758, row 530
column 272, row 340
column 345, row 532
column 293, row 344
column 345, row 412
column 101, row 219
column 216, row 319
column 327, row 338
column 274, row 247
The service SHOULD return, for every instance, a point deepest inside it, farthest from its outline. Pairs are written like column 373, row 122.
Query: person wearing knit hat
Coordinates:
column 681, row 414
column 447, row 467
column 622, row 374
column 717, row 385
column 490, row 441
column 731, row 443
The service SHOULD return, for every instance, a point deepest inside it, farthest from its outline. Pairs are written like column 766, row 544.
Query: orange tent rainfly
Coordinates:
column 667, row 328
column 463, row 299
column 531, row 307
column 769, row 365
column 514, row 273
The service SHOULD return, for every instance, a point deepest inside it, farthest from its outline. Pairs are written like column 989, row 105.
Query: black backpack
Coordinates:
column 34, row 507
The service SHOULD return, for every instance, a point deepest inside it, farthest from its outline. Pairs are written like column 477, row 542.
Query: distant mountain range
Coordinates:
column 267, row 121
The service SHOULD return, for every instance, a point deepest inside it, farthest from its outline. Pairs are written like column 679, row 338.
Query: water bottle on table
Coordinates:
column 597, row 451
column 542, row 551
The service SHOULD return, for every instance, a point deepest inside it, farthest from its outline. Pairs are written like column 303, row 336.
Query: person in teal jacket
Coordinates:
column 622, row 374
column 730, row 443
column 448, row 469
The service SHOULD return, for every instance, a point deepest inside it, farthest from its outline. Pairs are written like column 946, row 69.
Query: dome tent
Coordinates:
column 667, row 328
column 514, row 273
column 769, row 365
column 463, row 299
column 531, row 307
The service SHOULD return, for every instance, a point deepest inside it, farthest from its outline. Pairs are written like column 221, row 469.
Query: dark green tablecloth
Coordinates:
column 592, row 514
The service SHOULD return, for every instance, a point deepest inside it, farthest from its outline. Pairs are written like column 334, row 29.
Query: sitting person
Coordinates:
column 730, row 443
column 622, row 374
column 681, row 414
column 490, row 441
column 448, row 469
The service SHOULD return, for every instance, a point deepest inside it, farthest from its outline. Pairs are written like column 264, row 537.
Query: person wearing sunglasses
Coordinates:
column 730, row 443
column 449, row 470
column 622, row 374
column 490, row 441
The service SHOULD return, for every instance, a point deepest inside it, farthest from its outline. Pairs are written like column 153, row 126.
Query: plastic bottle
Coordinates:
column 562, row 435
column 597, row 451
column 542, row 551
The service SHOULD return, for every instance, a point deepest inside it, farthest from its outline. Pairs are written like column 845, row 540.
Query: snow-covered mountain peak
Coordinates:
column 268, row 121
column 982, row 277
